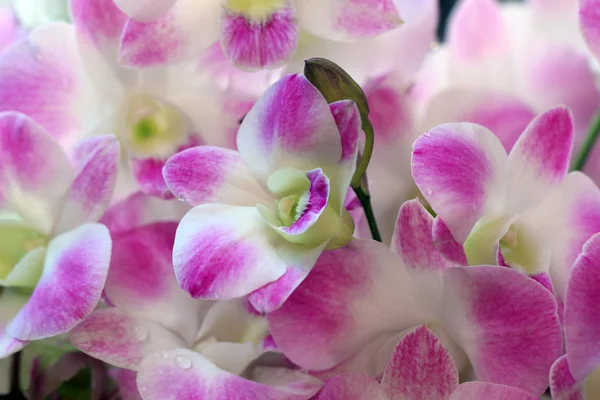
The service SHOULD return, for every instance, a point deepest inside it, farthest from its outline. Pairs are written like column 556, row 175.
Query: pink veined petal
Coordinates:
column 420, row 368
column 141, row 280
column 35, row 173
column 74, row 274
column 582, row 326
column 459, row 168
column 446, row 244
column 562, row 384
column 589, row 21
column 540, row 158
column 347, row 20
column 291, row 125
column 140, row 209
column 100, row 21
column 144, row 10
column 44, row 77
column 252, row 45
column 148, row 174
column 93, row 187
column 185, row 374
column 352, row 386
column 223, row 252
column 352, row 295
column 489, row 391
column 207, row 174
column 121, row 339
column 187, row 28
column 489, row 311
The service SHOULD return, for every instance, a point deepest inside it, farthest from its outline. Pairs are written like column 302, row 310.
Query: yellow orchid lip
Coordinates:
column 256, row 10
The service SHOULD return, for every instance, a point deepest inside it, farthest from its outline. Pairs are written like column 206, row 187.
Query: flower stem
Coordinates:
column 588, row 145
column 361, row 169
column 365, row 201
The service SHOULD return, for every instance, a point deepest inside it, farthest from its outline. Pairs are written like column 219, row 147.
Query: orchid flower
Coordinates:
column 66, row 77
column 54, row 257
column 254, row 34
column 420, row 368
column 576, row 376
column 352, row 310
column 522, row 209
column 153, row 318
column 263, row 215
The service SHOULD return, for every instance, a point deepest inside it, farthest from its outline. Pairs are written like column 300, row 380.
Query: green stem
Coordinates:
column 365, row 201
column 588, row 145
column 361, row 169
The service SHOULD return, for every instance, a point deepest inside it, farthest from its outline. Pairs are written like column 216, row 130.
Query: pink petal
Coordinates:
column 458, row 167
column 582, row 326
column 141, row 280
column 9, row 27
column 74, row 274
column 344, row 303
column 252, row 45
column 35, row 173
column 144, row 10
column 148, row 174
column 207, row 174
column 100, row 21
column 291, row 125
column 562, row 384
column 186, row 374
column 589, row 21
column 126, row 380
column 289, row 380
column 489, row 311
column 121, row 339
column 346, row 20
column 93, row 187
column 224, row 252
column 420, row 368
column 489, row 391
column 446, row 244
column 352, row 386
column 540, row 158
column 181, row 34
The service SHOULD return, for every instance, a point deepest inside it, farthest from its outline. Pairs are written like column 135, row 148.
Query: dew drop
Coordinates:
column 183, row 362
column 428, row 191
column 164, row 354
column 141, row 333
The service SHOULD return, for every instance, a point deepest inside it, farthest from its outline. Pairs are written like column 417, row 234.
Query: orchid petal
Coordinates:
column 99, row 21
column 562, row 384
column 352, row 386
column 144, row 10
column 489, row 391
column 589, row 21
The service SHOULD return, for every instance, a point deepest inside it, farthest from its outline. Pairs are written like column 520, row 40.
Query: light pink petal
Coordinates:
column 489, row 311
column 582, row 325
column 352, row 295
column 141, row 280
column 187, row 28
column 207, row 174
column 185, row 374
column 35, row 173
column 446, row 244
column 121, row 339
column 93, row 187
column 144, row 10
column 148, row 174
column 352, row 386
column 420, row 368
column 43, row 78
column 9, row 345
column 74, row 274
column 289, row 380
column 540, row 158
column 141, row 209
column 224, row 252
column 256, row 45
column 347, row 20
column 489, row 391
column 9, row 27
column 99, row 21
column 589, row 21
column 562, row 384
column 459, row 168
column 291, row 125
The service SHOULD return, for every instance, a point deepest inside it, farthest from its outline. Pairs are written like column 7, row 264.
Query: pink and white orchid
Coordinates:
column 420, row 368
column 254, row 34
column 263, row 215
column 359, row 300
column 520, row 209
column 54, row 257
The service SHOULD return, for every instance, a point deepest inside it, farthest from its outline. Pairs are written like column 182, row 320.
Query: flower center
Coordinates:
column 255, row 9
column 153, row 128
column 290, row 208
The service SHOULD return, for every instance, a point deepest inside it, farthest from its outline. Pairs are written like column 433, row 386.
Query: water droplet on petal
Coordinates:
column 183, row 362
column 428, row 191
column 141, row 333
column 164, row 354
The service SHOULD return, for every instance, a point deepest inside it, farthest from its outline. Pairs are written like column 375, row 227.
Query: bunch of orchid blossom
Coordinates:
column 187, row 211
